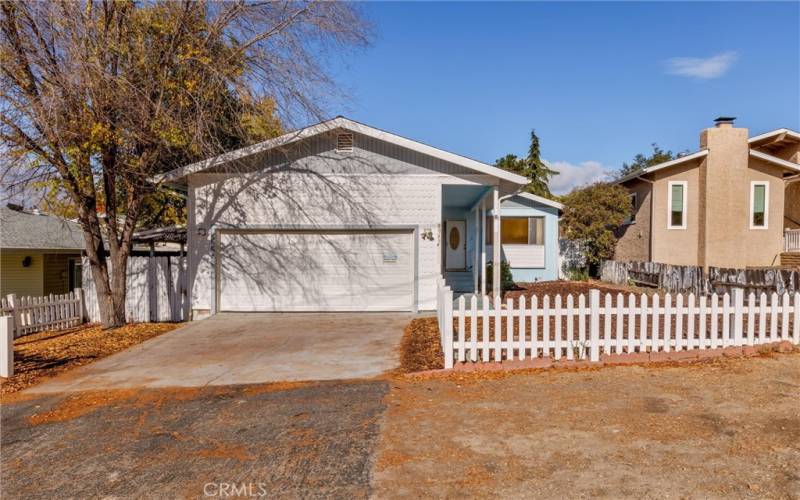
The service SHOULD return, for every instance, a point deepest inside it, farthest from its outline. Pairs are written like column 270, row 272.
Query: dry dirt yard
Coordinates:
column 728, row 428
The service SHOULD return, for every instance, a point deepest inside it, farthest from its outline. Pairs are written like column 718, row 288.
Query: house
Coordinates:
column 341, row 216
column 39, row 254
column 528, row 232
column 734, row 203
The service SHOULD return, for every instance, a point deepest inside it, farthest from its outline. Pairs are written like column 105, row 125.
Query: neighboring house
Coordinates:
column 39, row 254
column 733, row 203
column 341, row 216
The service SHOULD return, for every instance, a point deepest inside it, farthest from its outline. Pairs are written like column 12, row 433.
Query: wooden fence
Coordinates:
column 485, row 329
column 685, row 279
column 156, row 290
column 36, row 314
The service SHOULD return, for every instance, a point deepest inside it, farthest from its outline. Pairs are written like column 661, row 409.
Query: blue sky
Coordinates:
column 598, row 81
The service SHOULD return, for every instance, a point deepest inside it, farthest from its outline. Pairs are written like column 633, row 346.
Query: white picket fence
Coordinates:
column 485, row 329
column 156, row 290
column 36, row 314
column 791, row 240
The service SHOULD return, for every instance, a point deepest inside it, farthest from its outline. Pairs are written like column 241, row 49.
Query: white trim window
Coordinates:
column 759, row 205
column 518, row 230
column 676, row 205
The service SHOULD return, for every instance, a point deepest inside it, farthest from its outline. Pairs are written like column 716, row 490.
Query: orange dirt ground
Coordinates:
column 723, row 428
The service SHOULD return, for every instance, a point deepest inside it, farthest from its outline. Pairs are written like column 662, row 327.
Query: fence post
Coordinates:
column 81, row 303
column 594, row 325
column 13, row 303
column 6, row 346
column 738, row 309
column 448, row 329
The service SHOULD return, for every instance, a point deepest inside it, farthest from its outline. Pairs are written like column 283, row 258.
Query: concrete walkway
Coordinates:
column 248, row 348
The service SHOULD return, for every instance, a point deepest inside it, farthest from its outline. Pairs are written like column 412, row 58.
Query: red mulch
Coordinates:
column 420, row 348
column 574, row 288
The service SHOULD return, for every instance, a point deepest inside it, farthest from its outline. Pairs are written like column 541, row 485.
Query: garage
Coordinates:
column 332, row 270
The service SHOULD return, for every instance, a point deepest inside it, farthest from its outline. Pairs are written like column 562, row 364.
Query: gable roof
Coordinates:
column 340, row 122
column 780, row 162
column 775, row 133
column 27, row 230
column 677, row 161
column 542, row 200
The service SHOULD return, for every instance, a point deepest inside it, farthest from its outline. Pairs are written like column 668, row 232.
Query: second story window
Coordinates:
column 677, row 205
column 759, row 205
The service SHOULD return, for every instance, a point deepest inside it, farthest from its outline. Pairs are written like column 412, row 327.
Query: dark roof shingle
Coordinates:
column 35, row 231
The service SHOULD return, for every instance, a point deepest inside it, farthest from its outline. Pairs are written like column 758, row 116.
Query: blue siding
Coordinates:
column 518, row 207
column 550, row 214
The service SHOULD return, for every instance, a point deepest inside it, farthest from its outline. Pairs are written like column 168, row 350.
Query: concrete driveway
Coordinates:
column 249, row 348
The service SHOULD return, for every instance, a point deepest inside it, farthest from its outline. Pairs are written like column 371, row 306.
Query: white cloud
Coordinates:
column 702, row 68
column 571, row 176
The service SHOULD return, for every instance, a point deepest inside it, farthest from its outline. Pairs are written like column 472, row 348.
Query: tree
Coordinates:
column 531, row 167
column 100, row 96
column 640, row 161
column 591, row 217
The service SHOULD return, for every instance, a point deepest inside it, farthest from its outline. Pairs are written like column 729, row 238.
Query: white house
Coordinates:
column 340, row 216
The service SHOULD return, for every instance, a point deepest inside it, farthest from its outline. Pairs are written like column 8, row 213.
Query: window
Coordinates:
column 634, row 204
column 75, row 275
column 676, row 204
column 759, row 205
column 344, row 143
column 517, row 230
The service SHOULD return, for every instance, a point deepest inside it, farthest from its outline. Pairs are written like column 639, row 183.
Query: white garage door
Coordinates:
column 316, row 271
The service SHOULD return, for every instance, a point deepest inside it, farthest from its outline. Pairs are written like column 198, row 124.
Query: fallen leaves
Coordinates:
column 46, row 354
column 420, row 348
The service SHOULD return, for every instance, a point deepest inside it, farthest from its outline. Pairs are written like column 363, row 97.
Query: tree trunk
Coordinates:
column 110, row 282
column 119, row 287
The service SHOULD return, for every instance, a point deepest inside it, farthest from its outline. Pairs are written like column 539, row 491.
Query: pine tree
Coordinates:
column 532, row 167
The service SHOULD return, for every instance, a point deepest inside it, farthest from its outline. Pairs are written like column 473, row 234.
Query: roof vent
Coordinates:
column 726, row 121
column 344, row 143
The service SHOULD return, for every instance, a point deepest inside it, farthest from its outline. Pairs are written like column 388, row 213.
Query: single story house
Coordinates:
column 734, row 203
column 39, row 254
column 341, row 216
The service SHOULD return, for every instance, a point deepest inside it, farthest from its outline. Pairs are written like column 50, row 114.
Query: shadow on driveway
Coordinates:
column 280, row 440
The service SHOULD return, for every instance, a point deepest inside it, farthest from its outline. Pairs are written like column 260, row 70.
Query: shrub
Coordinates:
column 592, row 216
column 506, row 280
column 578, row 274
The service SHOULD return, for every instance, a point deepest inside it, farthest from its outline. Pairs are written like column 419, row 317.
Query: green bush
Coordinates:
column 506, row 280
column 578, row 274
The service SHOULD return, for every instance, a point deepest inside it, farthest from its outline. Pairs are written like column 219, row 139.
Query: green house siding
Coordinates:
column 47, row 273
column 19, row 279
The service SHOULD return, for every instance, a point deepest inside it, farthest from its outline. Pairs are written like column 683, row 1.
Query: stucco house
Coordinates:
column 39, row 254
column 734, row 203
column 341, row 216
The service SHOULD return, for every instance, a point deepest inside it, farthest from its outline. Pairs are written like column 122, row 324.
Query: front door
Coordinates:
column 455, row 257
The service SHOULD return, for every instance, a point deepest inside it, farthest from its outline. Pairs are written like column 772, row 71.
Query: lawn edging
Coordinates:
column 636, row 358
